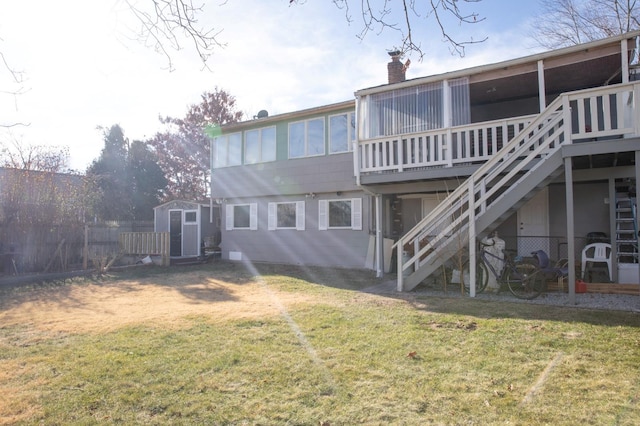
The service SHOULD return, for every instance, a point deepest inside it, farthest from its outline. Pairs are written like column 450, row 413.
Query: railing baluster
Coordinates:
column 620, row 99
column 582, row 125
column 595, row 117
column 606, row 113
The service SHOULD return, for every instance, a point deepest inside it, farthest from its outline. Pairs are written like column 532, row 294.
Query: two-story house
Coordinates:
column 287, row 189
column 542, row 149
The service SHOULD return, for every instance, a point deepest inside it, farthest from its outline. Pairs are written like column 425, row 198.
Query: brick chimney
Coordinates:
column 396, row 69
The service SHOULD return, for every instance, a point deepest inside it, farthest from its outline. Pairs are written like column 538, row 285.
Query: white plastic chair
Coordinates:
column 597, row 253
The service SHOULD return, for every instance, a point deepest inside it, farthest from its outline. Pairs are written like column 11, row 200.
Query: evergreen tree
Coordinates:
column 128, row 177
column 147, row 179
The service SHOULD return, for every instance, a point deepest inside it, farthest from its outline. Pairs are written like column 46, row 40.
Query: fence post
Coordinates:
column 85, row 250
column 165, row 249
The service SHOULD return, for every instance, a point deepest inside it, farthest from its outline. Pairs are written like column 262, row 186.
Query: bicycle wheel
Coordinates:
column 482, row 276
column 525, row 280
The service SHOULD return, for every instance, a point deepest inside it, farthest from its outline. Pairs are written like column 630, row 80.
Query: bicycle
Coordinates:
column 521, row 275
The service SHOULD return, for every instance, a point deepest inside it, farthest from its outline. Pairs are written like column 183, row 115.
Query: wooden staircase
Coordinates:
column 531, row 160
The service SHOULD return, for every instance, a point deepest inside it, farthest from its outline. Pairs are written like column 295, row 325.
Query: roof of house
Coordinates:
column 602, row 56
column 569, row 68
column 291, row 115
column 193, row 203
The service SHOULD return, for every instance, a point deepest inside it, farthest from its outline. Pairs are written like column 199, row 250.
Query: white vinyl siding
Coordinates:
column 306, row 138
column 241, row 216
column 260, row 145
column 340, row 214
column 342, row 132
column 289, row 215
column 227, row 150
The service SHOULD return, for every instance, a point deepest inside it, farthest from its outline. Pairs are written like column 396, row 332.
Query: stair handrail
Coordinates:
column 483, row 169
column 533, row 133
column 456, row 200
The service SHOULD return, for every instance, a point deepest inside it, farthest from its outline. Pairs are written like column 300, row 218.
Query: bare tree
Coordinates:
column 168, row 25
column 17, row 80
column 163, row 23
column 569, row 22
column 378, row 16
column 34, row 157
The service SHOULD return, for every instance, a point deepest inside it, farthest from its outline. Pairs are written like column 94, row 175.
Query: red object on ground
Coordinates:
column 581, row 286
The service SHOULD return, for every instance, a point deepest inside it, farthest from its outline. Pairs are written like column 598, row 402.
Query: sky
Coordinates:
column 84, row 71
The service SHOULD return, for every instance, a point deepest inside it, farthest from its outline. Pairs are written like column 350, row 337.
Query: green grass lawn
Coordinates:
column 338, row 357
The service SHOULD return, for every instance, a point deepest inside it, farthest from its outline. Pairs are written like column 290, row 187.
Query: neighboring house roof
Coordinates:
column 60, row 181
column 42, row 196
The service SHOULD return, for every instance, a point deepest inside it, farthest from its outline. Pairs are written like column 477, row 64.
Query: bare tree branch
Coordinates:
column 18, row 78
column 17, row 155
column 378, row 16
column 166, row 22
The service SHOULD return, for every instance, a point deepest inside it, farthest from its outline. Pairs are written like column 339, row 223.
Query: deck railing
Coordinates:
column 471, row 143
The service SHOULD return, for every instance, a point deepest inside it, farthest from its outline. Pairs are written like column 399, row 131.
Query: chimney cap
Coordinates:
column 394, row 53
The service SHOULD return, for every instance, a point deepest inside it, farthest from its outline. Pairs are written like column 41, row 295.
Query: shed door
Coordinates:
column 175, row 232
column 190, row 233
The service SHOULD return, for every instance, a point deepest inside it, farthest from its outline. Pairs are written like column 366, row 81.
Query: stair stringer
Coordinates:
column 501, row 184
column 528, row 185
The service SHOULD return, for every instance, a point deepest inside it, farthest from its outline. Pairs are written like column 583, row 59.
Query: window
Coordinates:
column 342, row 132
column 340, row 214
column 190, row 216
column 460, row 102
column 227, row 150
column 260, row 145
column 306, row 138
column 416, row 109
column 286, row 216
column 242, row 216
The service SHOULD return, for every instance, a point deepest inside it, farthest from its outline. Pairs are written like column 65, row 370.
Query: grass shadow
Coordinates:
column 200, row 283
column 491, row 309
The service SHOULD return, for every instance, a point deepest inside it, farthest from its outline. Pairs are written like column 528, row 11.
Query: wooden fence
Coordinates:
column 146, row 243
column 60, row 248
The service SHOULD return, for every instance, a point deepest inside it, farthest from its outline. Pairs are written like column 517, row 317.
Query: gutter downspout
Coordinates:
column 356, row 145
column 379, row 239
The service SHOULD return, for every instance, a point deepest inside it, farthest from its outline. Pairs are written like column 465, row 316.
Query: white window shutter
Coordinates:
column 300, row 215
column 356, row 214
column 323, row 215
column 271, row 220
column 253, row 219
column 229, row 218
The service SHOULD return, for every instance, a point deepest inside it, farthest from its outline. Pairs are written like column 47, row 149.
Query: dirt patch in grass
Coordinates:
column 159, row 299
